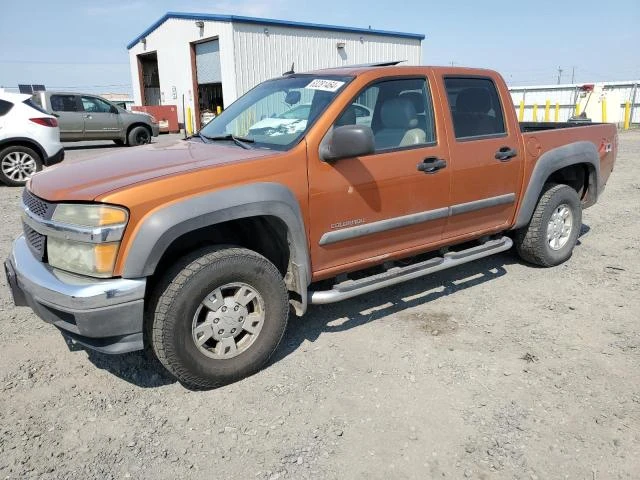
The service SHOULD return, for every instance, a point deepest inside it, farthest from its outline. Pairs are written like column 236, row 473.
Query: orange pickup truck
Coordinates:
column 307, row 190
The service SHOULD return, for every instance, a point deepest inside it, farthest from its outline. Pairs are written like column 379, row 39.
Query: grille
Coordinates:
column 37, row 206
column 35, row 240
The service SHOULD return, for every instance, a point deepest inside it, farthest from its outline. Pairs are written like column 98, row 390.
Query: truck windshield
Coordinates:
column 277, row 113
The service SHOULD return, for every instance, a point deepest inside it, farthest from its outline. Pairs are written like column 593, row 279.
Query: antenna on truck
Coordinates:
column 290, row 72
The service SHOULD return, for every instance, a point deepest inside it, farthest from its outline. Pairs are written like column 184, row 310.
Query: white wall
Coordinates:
column 260, row 56
column 248, row 56
column 172, row 41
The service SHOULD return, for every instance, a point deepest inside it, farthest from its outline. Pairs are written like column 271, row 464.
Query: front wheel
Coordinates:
column 549, row 238
column 139, row 136
column 218, row 316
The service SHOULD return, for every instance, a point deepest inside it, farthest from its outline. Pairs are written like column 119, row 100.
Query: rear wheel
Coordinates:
column 139, row 136
column 549, row 238
column 218, row 316
column 17, row 164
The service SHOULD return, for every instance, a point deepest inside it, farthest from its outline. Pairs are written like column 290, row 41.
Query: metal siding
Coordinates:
column 260, row 55
column 208, row 62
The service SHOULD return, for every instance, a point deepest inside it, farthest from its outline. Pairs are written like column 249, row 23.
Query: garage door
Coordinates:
column 208, row 62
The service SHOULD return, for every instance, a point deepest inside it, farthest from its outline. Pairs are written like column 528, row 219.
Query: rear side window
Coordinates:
column 5, row 107
column 35, row 106
column 64, row 103
column 475, row 107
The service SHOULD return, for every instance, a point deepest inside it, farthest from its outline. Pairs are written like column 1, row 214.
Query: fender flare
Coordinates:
column 159, row 229
column 583, row 152
column 34, row 144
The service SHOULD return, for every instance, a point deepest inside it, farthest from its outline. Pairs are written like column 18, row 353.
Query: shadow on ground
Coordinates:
column 140, row 369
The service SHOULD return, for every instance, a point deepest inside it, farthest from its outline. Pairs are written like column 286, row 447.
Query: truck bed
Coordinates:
column 539, row 126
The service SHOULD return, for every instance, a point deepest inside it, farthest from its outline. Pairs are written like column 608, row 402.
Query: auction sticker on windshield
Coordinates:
column 325, row 85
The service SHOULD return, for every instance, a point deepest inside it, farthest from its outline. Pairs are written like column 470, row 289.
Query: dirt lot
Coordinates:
column 495, row 370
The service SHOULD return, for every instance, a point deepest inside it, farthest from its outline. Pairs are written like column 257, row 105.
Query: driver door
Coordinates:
column 101, row 120
column 363, row 210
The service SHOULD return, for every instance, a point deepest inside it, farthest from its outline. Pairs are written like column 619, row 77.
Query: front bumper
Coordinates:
column 155, row 129
column 102, row 314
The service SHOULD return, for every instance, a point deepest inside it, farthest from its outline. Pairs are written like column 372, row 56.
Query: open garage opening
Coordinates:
column 149, row 78
column 207, row 76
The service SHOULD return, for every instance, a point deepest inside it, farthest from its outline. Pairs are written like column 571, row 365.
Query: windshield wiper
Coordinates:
column 240, row 141
column 204, row 138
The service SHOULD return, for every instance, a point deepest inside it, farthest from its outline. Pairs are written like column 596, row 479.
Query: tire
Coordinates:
column 177, row 314
column 120, row 143
column 541, row 242
column 139, row 136
column 17, row 164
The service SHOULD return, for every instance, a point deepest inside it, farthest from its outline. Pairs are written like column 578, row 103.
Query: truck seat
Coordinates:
column 471, row 117
column 400, row 122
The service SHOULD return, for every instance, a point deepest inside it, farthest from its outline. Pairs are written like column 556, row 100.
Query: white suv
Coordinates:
column 29, row 138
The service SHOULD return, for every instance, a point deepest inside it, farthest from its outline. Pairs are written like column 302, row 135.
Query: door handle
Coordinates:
column 432, row 165
column 506, row 153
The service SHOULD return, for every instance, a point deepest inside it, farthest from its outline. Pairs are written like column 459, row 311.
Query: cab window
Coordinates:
column 64, row 103
column 95, row 105
column 399, row 112
column 475, row 107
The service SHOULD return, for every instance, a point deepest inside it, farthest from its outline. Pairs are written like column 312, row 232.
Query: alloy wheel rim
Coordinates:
column 228, row 321
column 559, row 227
column 143, row 137
column 18, row 166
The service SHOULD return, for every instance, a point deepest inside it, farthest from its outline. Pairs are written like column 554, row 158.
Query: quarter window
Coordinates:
column 64, row 103
column 475, row 107
column 5, row 107
column 399, row 112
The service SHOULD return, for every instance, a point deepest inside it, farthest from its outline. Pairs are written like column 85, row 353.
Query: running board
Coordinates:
column 395, row 275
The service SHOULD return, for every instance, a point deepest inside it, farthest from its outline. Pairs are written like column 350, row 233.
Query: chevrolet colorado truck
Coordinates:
column 197, row 250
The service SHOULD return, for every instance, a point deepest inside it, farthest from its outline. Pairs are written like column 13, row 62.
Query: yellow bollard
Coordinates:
column 577, row 108
column 535, row 112
column 547, row 106
column 604, row 110
column 521, row 112
column 627, row 114
column 218, row 109
column 189, row 122
column 556, row 115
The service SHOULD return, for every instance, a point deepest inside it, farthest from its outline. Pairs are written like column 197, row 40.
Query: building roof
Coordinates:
column 269, row 21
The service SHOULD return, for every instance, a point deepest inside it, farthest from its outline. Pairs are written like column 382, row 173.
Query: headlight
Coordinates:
column 86, row 215
column 93, row 259
column 87, row 238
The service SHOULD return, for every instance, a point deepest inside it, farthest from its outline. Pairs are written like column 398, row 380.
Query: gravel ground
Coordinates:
column 495, row 370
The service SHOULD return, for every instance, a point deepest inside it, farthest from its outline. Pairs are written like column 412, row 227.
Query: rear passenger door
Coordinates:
column 485, row 161
column 67, row 108
column 101, row 120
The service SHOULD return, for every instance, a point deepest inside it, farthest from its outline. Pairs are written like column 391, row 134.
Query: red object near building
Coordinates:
column 167, row 116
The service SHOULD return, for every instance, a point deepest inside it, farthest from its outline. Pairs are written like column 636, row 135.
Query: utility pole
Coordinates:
column 573, row 74
column 559, row 74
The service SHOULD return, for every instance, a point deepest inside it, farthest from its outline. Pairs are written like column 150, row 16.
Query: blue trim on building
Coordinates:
column 269, row 21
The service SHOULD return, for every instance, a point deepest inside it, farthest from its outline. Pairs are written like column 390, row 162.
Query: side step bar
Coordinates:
column 395, row 275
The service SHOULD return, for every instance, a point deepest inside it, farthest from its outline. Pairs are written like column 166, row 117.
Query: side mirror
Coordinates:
column 346, row 142
column 114, row 110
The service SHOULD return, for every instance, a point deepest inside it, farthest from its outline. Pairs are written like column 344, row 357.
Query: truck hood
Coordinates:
column 87, row 179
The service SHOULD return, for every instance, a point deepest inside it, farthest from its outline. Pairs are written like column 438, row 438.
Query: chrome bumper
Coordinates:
column 102, row 314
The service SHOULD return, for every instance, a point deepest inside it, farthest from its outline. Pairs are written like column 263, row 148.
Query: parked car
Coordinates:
column 295, row 119
column 84, row 116
column 29, row 139
column 199, row 249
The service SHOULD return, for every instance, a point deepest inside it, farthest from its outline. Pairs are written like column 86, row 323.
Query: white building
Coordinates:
column 213, row 59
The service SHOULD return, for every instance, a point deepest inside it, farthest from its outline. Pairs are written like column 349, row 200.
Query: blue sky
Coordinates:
column 82, row 44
